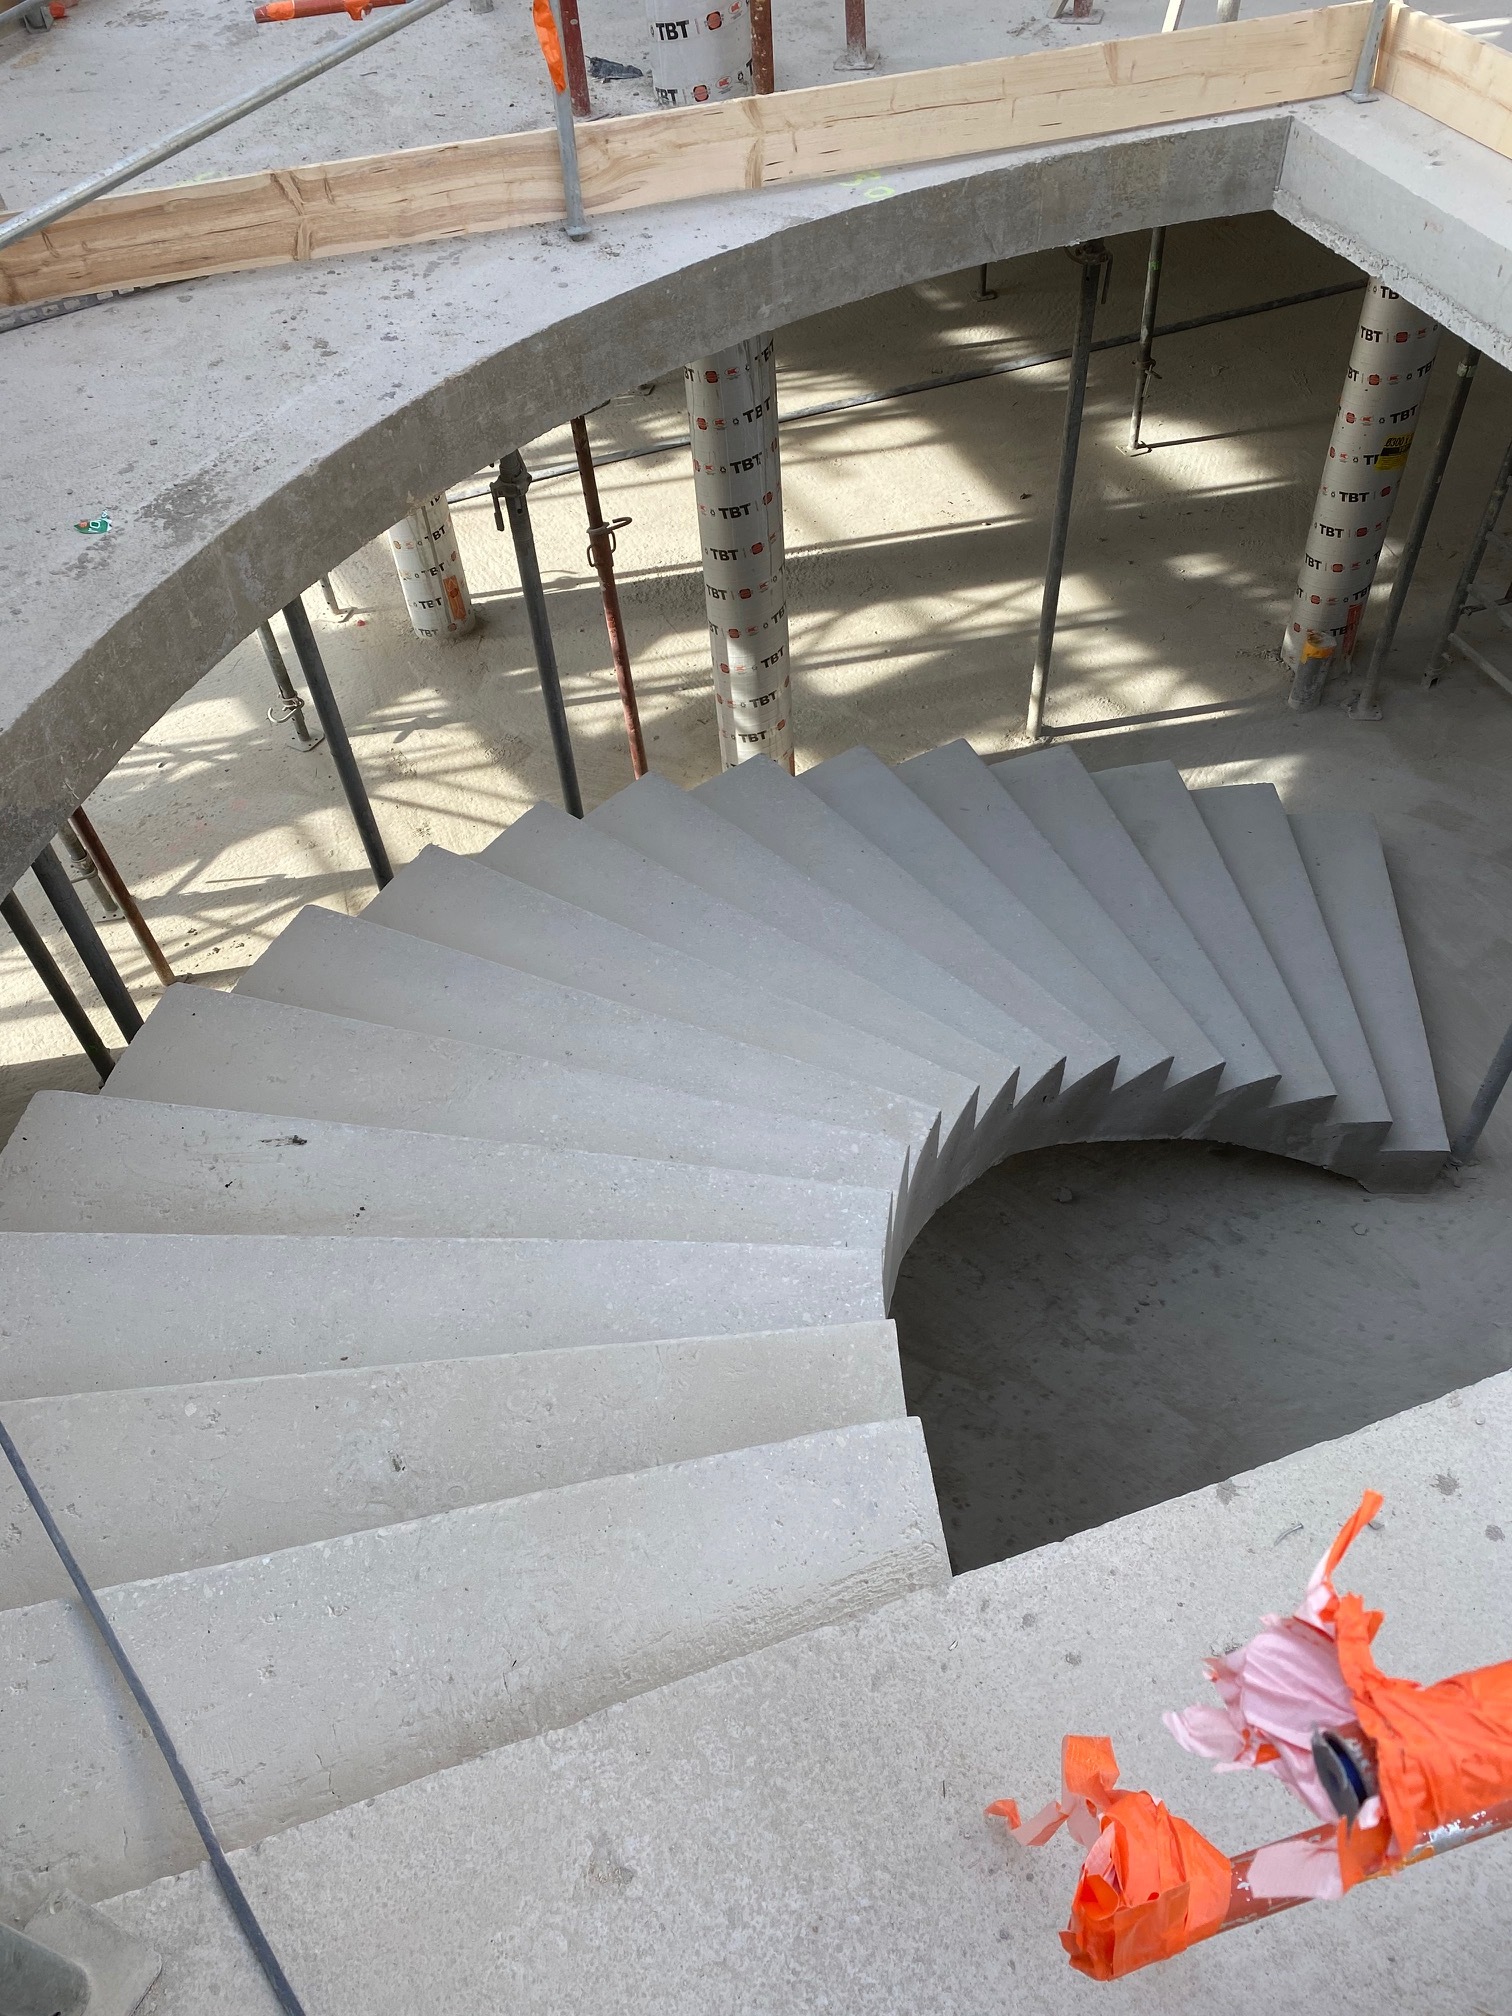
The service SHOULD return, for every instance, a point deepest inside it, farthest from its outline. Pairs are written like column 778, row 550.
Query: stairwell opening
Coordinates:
column 1089, row 1330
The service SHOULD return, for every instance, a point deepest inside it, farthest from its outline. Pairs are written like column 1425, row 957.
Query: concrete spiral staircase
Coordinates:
column 478, row 1317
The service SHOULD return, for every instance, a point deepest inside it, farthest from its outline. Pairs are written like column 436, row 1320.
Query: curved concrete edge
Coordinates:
column 326, row 400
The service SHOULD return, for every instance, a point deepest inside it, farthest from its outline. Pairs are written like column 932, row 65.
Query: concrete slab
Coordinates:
column 79, row 1163
column 89, row 1312
column 303, row 1681
column 804, row 1827
column 230, row 1467
column 1347, row 868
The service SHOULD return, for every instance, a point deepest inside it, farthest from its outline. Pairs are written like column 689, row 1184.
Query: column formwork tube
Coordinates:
column 1384, row 385
column 737, row 482
column 426, row 555
column 700, row 54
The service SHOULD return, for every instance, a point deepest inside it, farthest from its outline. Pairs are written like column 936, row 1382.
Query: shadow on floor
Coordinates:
column 1087, row 1331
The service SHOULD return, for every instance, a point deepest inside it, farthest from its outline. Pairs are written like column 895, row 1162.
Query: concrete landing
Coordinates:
column 802, row 1830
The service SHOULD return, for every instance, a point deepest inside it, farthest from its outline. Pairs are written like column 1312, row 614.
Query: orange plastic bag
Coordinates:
column 1150, row 1885
column 551, row 46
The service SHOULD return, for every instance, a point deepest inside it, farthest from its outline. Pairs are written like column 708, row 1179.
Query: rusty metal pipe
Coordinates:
column 572, row 59
column 84, row 832
column 601, row 554
column 763, row 69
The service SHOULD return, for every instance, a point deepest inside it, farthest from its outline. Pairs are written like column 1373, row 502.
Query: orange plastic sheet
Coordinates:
column 1442, row 1752
column 1150, row 1885
column 550, row 41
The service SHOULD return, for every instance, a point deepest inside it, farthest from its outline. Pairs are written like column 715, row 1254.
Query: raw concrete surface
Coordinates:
column 802, row 1830
column 917, row 533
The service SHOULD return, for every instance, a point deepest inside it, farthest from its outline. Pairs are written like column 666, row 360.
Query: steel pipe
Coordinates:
column 1481, row 1106
column 1362, row 90
column 313, row 666
column 1366, row 705
column 84, row 831
column 510, row 499
column 36, row 10
column 1473, row 559
column 1095, row 259
column 50, row 973
column 292, row 707
column 1144, row 362
column 87, row 942
column 576, row 224
column 857, row 55
column 25, row 222
column 601, row 541
column 82, row 867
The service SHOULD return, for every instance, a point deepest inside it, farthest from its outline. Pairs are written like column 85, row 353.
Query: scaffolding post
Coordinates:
column 87, row 942
column 601, row 542
column 307, row 651
column 1473, row 558
column 1366, row 706
column 82, row 830
column 572, row 59
column 510, row 500
column 763, row 64
column 291, row 707
column 857, row 55
column 82, row 867
column 50, row 973
column 1481, row 1106
column 1144, row 361
column 1095, row 261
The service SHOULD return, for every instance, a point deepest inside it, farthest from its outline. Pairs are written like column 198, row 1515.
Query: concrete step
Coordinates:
column 1347, row 868
column 959, row 788
column 311, row 1679
column 86, row 1312
column 874, row 800
column 804, row 829
column 162, row 1479
column 201, row 1048
column 1251, row 831
column 803, row 1829
column 1051, row 786
column 675, row 827
column 663, row 899
column 346, row 966
column 1155, row 809
column 81, row 1163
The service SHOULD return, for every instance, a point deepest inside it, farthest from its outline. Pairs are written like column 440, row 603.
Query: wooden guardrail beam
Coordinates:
column 422, row 194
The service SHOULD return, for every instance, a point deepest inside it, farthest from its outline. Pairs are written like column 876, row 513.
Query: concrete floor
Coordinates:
column 1190, row 1311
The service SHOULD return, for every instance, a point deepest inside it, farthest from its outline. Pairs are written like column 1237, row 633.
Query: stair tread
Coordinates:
column 1154, row 807
column 1058, row 794
column 960, row 789
column 1250, row 828
column 78, row 1162
column 464, row 904
column 373, row 1446
column 588, row 865
column 199, row 1047
column 92, row 1311
column 863, row 791
column 1347, row 867
column 675, row 827
column 441, row 1639
column 800, row 827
